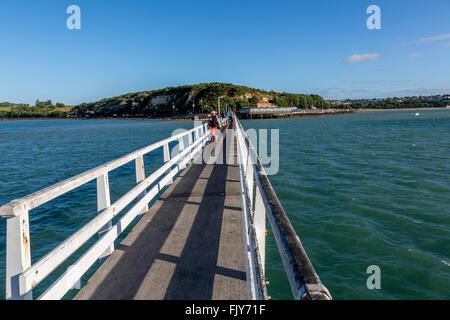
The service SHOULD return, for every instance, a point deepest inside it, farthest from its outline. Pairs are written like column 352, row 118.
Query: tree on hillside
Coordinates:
column 44, row 104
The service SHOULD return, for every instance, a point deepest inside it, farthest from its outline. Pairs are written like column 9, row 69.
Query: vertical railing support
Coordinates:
column 18, row 254
column 249, row 177
column 140, row 176
column 196, row 135
column 103, row 202
column 166, row 152
column 189, row 143
column 180, row 144
column 259, row 222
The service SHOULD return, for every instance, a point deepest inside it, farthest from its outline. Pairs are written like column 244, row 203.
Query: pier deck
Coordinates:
column 189, row 245
column 204, row 238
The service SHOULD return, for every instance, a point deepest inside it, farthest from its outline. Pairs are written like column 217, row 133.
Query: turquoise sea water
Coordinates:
column 360, row 189
column 38, row 154
column 367, row 189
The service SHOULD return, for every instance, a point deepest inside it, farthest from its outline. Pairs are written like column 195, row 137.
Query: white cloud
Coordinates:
column 382, row 70
column 415, row 55
column 355, row 91
column 389, row 90
column 439, row 37
column 327, row 92
column 446, row 44
column 356, row 58
column 401, row 81
column 367, row 81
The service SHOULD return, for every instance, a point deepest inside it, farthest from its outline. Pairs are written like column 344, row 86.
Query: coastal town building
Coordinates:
column 264, row 104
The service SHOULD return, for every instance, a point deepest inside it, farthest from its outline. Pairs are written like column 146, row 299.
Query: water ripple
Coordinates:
column 363, row 189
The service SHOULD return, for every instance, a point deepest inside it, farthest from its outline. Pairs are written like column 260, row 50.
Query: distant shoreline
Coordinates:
column 200, row 119
column 88, row 119
column 399, row 109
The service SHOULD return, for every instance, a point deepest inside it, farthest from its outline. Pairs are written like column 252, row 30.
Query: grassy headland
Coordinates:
column 202, row 98
column 160, row 102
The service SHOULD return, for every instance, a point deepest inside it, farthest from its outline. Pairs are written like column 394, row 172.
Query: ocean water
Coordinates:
column 367, row 189
column 361, row 189
column 38, row 154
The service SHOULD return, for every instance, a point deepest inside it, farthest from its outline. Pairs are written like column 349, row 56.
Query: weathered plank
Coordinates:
column 189, row 245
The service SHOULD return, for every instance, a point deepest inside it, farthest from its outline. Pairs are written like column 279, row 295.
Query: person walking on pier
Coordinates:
column 213, row 123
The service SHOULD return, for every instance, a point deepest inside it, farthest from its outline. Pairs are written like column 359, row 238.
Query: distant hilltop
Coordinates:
column 203, row 98
column 199, row 98
column 436, row 101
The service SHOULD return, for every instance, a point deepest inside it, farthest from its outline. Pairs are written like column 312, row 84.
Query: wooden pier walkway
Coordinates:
column 189, row 245
column 202, row 239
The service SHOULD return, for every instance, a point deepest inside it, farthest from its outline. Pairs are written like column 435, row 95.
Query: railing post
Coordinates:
column 166, row 152
column 196, row 135
column 104, row 202
column 249, row 176
column 18, row 254
column 180, row 144
column 140, row 176
column 190, row 143
column 259, row 221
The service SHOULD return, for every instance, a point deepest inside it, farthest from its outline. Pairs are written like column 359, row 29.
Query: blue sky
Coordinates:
column 293, row 46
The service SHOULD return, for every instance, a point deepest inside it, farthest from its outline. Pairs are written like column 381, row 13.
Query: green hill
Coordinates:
column 204, row 97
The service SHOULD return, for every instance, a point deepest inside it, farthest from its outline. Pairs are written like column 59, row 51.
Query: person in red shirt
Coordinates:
column 213, row 124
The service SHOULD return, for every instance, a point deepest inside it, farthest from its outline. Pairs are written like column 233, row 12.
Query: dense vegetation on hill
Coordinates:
column 40, row 109
column 202, row 96
column 436, row 101
column 193, row 98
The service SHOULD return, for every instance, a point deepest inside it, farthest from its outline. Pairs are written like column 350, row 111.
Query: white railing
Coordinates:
column 259, row 201
column 22, row 277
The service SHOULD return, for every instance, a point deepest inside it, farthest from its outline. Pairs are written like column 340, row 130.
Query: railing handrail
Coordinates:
column 22, row 276
column 303, row 279
column 13, row 208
